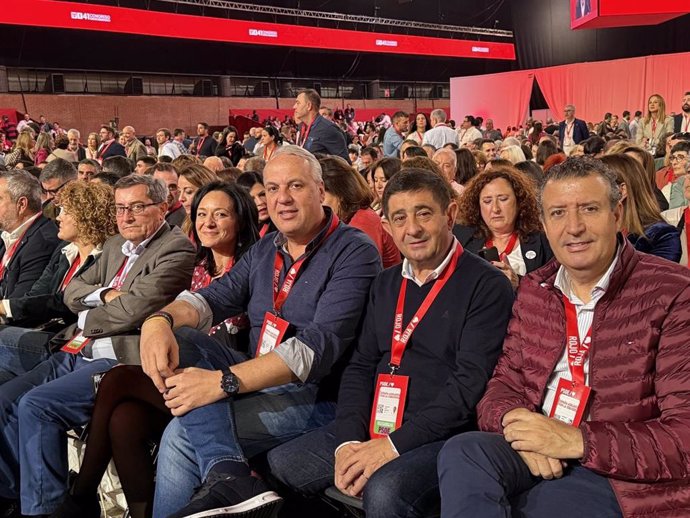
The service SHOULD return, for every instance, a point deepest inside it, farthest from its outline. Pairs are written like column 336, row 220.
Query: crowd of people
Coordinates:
column 435, row 321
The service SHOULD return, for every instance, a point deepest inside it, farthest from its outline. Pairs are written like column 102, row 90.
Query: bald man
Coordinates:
column 214, row 163
column 134, row 147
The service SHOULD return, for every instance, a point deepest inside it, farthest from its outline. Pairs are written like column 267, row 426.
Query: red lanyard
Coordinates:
column 400, row 338
column 577, row 350
column 104, row 149
column 263, row 230
column 653, row 127
column 305, row 133
column 70, row 273
column 569, row 130
column 509, row 247
column 120, row 276
column 9, row 254
column 267, row 158
column 280, row 294
column 199, row 145
column 421, row 136
column 686, row 215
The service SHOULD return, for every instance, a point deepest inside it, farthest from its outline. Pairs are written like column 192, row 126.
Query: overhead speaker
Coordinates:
column 55, row 84
column 134, row 86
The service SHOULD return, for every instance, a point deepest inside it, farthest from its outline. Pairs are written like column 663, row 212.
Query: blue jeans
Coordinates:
column 405, row 487
column 36, row 411
column 232, row 430
column 21, row 350
column 483, row 477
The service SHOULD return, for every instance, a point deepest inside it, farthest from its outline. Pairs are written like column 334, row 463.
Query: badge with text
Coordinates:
column 272, row 333
column 389, row 405
column 76, row 344
column 572, row 396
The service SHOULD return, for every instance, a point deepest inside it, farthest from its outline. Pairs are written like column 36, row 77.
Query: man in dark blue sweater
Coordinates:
column 433, row 331
column 304, row 289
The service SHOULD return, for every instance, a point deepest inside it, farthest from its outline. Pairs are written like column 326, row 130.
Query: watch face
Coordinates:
column 230, row 383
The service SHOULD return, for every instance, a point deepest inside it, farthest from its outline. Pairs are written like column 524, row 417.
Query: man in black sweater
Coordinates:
column 433, row 331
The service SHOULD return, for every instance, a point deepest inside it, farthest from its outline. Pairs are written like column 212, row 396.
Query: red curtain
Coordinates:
column 501, row 97
column 669, row 76
column 594, row 88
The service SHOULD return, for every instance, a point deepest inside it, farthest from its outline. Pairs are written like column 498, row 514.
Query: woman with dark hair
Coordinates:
column 230, row 146
column 642, row 222
column 419, row 126
column 532, row 171
column 381, row 171
column 594, row 146
column 545, row 150
column 270, row 140
column 499, row 210
column 348, row 194
column 192, row 177
column 466, row 167
column 253, row 183
column 130, row 413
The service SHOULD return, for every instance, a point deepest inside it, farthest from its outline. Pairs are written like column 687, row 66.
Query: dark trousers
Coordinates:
column 406, row 487
column 481, row 476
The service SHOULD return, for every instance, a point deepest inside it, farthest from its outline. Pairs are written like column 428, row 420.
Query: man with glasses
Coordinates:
column 167, row 174
column 54, row 176
column 571, row 131
column 665, row 171
column 671, row 179
column 140, row 270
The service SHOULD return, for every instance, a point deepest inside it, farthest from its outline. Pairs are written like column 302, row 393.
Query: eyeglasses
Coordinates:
column 53, row 192
column 134, row 208
column 677, row 158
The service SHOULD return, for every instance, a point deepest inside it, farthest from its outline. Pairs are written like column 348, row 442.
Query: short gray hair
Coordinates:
column 74, row 132
column 582, row 167
column 439, row 115
column 58, row 168
column 314, row 166
column 156, row 190
column 20, row 184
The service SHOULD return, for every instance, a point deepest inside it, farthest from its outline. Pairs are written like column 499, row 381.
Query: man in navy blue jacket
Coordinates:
column 315, row 133
column 304, row 290
column 433, row 330
column 571, row 131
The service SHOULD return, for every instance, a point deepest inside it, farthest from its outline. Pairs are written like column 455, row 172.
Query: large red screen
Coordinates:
column 71, row 15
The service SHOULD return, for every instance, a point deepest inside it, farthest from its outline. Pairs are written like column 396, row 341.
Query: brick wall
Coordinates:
column 147, row 114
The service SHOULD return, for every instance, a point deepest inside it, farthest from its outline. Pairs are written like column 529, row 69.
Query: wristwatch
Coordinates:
column 229, row 382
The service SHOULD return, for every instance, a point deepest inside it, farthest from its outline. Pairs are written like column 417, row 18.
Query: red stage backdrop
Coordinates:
column 70, row 15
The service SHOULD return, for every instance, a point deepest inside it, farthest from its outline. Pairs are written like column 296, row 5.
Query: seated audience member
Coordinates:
column 647, row 162
column 430, row 149
column 576, row 431
column 87, row 168
column 480, row 159
column 129, row 411
column 86, row 220
column 214, row 164
column 23, row 154
column 673, row 181
column 143, row 163
column 54, row 177
column 190, row 179
column 256, row 164
column 642, row 221
column 118, row 165
column 109, row 145
column 44, row 147
column 381, row 171
column 384, row 450
column 105, row 178
column 545, row 149
column 166, row 173
column 405, row 145
column 499, row 209
column 532, row 171
column 253, row 183
column 139, row 271
column 513, row 154
column 61, row 151
column 28, row 237
column 466, row 167
column 367, row 156
column 411, row 152
column 310, row 279
column 348, row 195
column 594, row 146
column 447, row 161
column 552, row 161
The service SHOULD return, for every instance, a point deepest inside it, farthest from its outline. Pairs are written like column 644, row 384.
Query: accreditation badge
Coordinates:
column 76, row 344
column 389, row 404
column 272, row 333
column 570, row 402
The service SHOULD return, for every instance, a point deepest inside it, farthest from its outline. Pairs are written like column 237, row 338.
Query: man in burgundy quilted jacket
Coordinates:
column 588, row 412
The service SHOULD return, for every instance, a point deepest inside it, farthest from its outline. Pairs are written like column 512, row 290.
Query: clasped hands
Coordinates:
column 543, row 443
column 355, row 463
